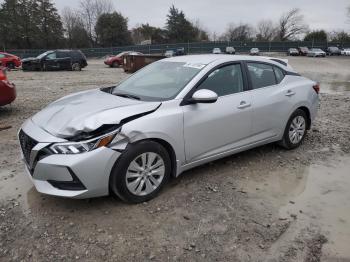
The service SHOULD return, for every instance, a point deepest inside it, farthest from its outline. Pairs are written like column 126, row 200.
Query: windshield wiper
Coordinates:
column 127, row 96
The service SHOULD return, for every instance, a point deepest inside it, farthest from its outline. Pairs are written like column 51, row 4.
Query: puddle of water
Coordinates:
column 325, row 201
column 320, row 191
column 335, row 87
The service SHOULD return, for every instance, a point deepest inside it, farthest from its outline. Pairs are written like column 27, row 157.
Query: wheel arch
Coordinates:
column 308, row 114
column 170, row 151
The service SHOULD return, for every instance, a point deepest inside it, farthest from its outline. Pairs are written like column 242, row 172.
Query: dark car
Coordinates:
column 303, row 50
column 175, row 52
column 7, row 89
column 293, row 52
column 56, row 60
column 9, row 60
column 333, row 50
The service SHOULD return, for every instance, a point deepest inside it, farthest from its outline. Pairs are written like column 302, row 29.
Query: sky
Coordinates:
column 214, row 16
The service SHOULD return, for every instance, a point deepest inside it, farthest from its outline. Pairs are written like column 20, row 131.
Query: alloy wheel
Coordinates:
column 145, row 173
column 297, row 129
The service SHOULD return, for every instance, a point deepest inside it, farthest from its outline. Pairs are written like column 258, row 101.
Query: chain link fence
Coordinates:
column 190, row 48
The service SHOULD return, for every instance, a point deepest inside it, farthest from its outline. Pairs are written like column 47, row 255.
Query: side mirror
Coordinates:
column 204, row 96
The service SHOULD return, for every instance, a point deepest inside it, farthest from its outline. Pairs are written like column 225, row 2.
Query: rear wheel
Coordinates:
column 76, row 67
column 295, row 131
column 140, row 172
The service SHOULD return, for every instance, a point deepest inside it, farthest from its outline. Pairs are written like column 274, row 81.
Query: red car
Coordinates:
column 9, row 61
column 118, row 60
column 7, row 89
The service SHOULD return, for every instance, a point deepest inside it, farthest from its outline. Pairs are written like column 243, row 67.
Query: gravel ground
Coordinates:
column 266, row 204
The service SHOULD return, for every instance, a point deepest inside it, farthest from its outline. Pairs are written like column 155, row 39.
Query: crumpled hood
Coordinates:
column 87, row 111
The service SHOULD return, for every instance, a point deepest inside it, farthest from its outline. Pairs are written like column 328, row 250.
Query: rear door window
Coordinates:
column 62, row 54
column 261, row 75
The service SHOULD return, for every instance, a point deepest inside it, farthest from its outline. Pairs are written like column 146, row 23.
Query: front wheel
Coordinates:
column 295, row 131
column 11, row 66
column 140, row 172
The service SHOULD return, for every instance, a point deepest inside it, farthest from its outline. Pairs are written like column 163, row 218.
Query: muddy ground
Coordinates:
column 266, row 204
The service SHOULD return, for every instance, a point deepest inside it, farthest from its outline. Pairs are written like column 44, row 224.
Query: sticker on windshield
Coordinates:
column 194, row 65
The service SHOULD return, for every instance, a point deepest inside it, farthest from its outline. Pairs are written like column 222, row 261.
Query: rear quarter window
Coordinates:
column 76, row 55
column 279, row 73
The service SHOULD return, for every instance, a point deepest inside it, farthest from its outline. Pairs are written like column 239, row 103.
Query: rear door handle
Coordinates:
column 290, row 93
column 243, row 104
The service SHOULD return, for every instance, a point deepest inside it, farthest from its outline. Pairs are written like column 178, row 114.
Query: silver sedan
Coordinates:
column 175, row 114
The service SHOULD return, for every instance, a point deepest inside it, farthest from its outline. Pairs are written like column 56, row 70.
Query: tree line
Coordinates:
column 30, row 24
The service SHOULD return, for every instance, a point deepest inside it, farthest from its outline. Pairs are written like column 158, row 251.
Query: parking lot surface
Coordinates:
column 266, row 204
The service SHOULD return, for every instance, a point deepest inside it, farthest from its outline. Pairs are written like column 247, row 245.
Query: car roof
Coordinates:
column 4, row 53
column 210, row 58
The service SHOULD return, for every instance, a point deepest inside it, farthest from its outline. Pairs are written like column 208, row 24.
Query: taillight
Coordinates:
column 316, row 88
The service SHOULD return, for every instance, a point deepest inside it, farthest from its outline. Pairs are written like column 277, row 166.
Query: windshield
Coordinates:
column 43, row 54
column 158, row 81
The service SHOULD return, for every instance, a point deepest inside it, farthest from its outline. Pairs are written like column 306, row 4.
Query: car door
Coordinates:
column 64, row 60
column 50, row 62
column 270, row 99
column 211, row 129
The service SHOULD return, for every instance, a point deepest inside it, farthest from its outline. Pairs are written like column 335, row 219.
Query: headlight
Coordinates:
column 85, row 146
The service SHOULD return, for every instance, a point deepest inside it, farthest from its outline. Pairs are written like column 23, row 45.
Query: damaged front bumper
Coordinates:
column 84, row 175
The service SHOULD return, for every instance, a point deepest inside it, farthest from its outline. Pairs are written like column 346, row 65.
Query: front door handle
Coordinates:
column 243, row 104
column 290, row 93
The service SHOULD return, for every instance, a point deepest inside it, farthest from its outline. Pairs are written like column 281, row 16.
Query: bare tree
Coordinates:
column 242, row 32
column 75, row 32
column 214, row 36
column 69, row 20
column 266, row 31
column 90, row 11
column 201, row 32
column 291, row 25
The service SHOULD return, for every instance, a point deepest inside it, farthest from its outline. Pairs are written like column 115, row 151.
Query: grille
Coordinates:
column 27, row 144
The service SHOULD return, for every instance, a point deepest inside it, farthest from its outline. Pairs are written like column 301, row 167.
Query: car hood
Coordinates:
column 29, row 59
column 87, row 111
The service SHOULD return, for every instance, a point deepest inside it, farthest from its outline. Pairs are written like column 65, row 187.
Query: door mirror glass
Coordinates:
column 204, row 96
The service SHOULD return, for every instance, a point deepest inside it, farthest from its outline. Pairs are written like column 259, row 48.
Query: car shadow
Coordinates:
column 202, row 173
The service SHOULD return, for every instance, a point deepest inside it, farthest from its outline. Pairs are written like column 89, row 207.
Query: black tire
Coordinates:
column 115, row 65
column 11, row 65
column 117, row 180
column 76, row 67
column 286, row 142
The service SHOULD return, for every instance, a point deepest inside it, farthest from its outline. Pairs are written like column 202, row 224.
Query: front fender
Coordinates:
column 164, row 124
